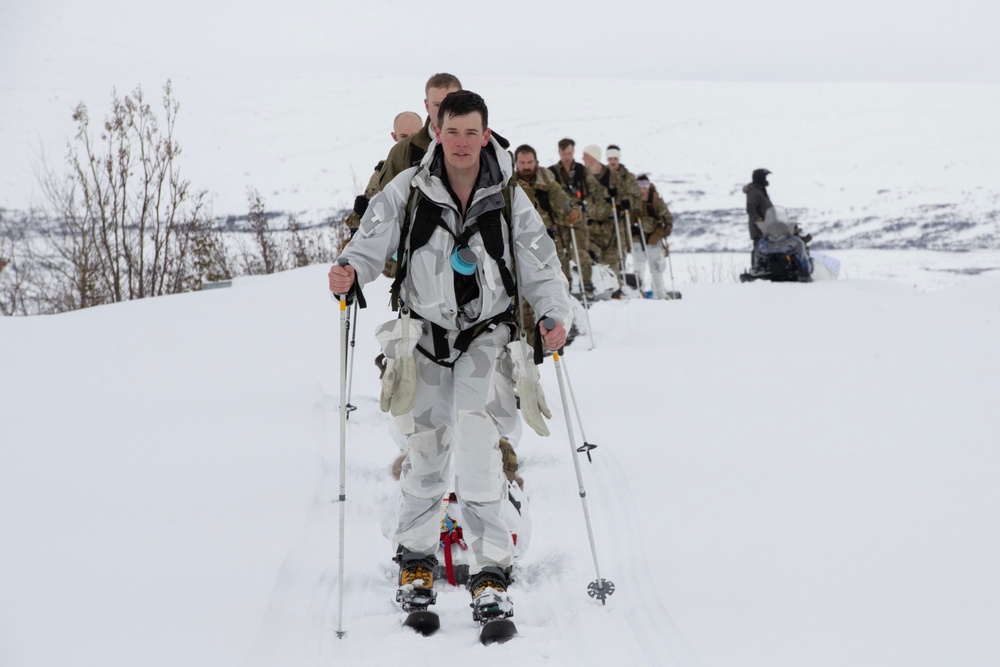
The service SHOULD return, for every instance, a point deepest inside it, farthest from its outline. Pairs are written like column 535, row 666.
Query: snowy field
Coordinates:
column 787, row 475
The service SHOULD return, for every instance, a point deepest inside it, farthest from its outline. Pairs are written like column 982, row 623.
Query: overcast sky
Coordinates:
column 834, row 40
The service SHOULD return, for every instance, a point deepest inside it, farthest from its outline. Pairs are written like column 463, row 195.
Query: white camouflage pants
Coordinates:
column 454, row 438
column 656, row 257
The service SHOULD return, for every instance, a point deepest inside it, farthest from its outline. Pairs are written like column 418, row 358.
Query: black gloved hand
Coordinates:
column 635, row 231
column 360, row 205
column 626, row 204
column 613, row 191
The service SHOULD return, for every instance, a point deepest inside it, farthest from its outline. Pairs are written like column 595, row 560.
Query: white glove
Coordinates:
column 529, row 390
column 398, row 339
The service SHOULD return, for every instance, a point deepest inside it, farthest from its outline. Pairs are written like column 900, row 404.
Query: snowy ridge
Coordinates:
column 868, row 165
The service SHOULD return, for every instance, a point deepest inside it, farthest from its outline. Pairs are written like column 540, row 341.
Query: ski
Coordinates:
column 497, row 631
column 493, row 610
column 423, row 622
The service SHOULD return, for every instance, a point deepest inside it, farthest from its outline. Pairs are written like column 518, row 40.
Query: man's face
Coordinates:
column 433, row 102
column 526, row 165
column 613, row 163
column 566, row 155
column 405, row 127
column 462, row 139
column 644, row 186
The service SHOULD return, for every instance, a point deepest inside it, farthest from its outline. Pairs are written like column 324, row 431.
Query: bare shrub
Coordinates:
column 126, row 224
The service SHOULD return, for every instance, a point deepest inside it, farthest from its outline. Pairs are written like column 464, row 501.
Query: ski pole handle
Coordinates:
column 341, row 297
column 550, row 324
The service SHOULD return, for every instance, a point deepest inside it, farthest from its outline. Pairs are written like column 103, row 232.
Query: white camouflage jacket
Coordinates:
column 429, row 287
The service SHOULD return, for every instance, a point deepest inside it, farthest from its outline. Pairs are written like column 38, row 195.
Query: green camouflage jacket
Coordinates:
column 549, row 198
column 405, row 154
column 584, row 191
column 657, row 220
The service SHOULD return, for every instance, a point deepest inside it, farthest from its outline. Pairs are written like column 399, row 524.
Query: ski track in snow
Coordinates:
column 559, row 621
column 647, row 618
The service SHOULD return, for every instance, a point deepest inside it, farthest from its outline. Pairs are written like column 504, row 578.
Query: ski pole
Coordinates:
column 613, row 191
column 635, row 266
column 600, row 588
column 352, row 325
column 342, row 498
column 645, row 251
column 586, row 446
column 670, row 264
column 583, row 290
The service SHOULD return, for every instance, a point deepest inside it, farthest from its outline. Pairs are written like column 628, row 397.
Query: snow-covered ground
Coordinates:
column 787, row 475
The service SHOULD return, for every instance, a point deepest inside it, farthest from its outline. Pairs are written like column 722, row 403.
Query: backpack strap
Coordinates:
column 542, row 196
column 402, row 257
column 579, row 179
column 416, row 154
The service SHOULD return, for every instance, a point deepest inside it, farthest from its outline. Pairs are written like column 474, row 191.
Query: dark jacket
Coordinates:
column 757, row 204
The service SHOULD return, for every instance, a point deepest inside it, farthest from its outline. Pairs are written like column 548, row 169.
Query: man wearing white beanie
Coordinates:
column 603, row 242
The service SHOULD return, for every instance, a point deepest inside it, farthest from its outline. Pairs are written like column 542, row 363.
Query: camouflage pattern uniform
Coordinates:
column 603, row 238
column 657, row 222
column 553, row 205
column 453, row 437
column 405, row 154
column 354, row 219
column 586, row 194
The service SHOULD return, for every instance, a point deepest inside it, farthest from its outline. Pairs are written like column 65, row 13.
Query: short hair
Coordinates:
column 525, row 148
column 462, row 103
column 613, row 147
column 442, row 80
column 566, row 143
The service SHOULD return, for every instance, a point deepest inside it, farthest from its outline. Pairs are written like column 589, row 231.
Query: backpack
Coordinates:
column 418, row 228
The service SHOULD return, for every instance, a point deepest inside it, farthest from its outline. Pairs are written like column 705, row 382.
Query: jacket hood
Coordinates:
column 495, row 169
column 760, row 177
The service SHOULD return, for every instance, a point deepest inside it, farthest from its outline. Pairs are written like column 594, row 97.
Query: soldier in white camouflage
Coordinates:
column 463, row 243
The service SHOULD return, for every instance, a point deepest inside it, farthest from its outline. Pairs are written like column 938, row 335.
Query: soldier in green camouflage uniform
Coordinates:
column 603, row 241
column 551, row 201
column 553, row 205
column 404, row 125
column 409, row 152
column 656, row 221
column 588, row 197
column 627, row 186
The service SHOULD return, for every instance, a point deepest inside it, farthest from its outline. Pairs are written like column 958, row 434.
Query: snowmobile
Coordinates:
column 782, row 253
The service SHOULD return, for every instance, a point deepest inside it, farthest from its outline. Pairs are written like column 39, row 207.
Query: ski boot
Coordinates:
column 416, row 591
column 491, row 606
